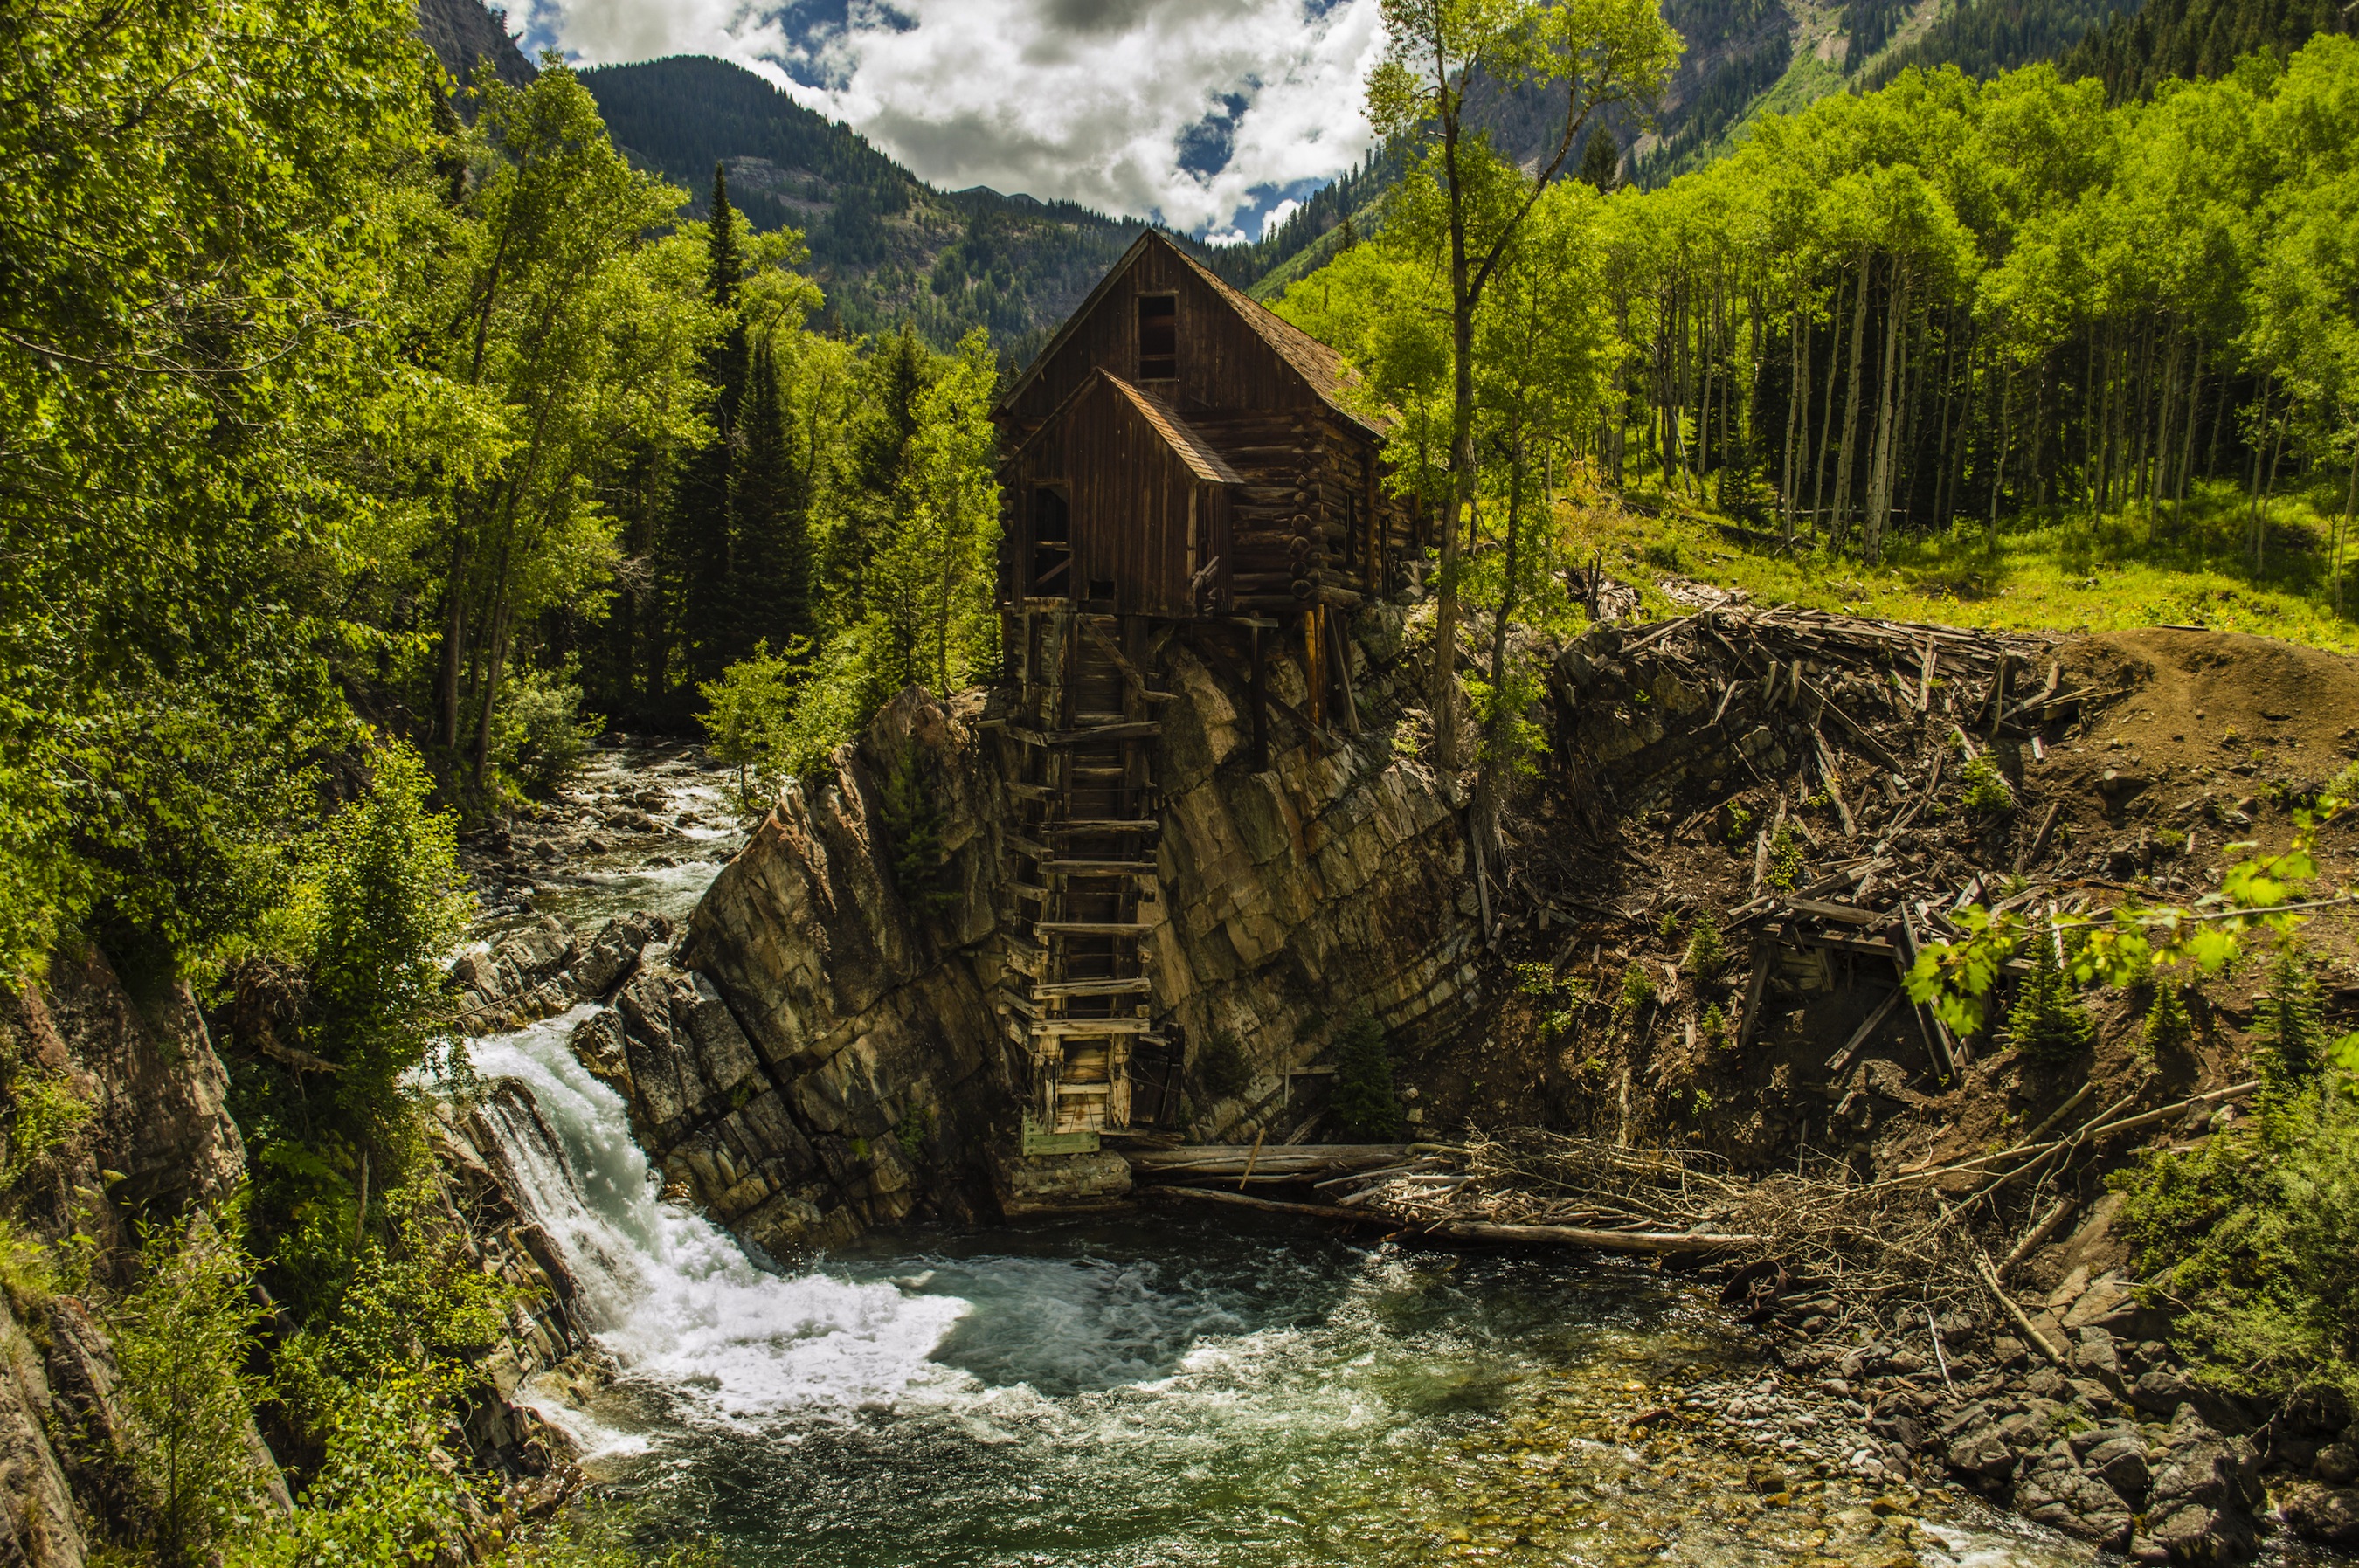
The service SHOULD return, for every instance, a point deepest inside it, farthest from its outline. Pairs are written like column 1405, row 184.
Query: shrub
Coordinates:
column 1785, row 868
column 1221, row 1066
column 1716, row 1033
column 542, row 730
column 913, row 833
column 1365, row 1100
column 2167, row 1027
column 1986, row 791
column 2253, row 1233
column 2048, row 1023
column 181, row 1335
column 1637, row 987
column 2290, row 1025
column 1707, row 954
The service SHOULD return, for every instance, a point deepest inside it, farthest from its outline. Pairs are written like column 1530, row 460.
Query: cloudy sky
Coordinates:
column 1206, row 113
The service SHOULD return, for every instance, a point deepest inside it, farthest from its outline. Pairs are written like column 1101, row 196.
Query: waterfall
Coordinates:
column 673, row 1297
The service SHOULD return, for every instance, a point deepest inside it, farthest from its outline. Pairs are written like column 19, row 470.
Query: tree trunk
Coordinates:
column 1840, row 527
column 2187, row 449
column 1797, row 394
column 454, row 630
column 1879, row 487
column 1826, row 414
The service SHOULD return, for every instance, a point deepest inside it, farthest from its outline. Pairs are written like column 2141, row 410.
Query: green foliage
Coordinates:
column 2047, row 1025
column 44, row 1115
column 1364, row 1101
column 543, row 731
column 1716, row 1031
column 913, row 816
column 28, row 1274
column 1786, row 851
column 382, row 1493
column 2122, row 945
column 2167, row 1029
column 182, row 1335
column 2252, row 1233
column 906, row 530
column 1707, row 956
column 1740, row 825
column 1986, row 793
column 1221, row 1066
column 1638, row 986
column 2290, row 1025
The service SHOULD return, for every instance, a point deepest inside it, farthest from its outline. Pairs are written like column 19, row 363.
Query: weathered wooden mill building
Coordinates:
column 1178, row 458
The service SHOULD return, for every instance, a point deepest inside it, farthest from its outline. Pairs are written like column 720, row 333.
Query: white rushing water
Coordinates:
column 672, row 1296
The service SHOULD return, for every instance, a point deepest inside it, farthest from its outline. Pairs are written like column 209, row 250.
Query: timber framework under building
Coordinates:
column 1179, row 460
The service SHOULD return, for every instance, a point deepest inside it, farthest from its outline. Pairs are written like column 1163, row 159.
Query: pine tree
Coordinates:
column 1364, row 1101
column 2049, row 1024
column 896, row 375
column 2167, row 1027
column 2290, row 1026
column 770, row 545
column 701, row 526
column 1601, row 160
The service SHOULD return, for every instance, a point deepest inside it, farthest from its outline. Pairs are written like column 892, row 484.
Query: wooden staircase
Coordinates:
column 1083, row 753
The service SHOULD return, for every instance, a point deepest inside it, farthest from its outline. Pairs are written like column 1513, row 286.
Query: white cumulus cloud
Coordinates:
column 1178, row 109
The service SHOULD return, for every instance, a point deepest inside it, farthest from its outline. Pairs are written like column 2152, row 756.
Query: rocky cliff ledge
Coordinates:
column 821, row 1052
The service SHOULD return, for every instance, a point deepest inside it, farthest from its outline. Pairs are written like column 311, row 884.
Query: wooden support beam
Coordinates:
column 1101, row 868
column 1068, row 1028
column 1137, row 729
column 1090, row 928
column 1937, row 1037
column 1340, row 652
column 1257, row 684
column 1134, row 986
column 1868, row 1026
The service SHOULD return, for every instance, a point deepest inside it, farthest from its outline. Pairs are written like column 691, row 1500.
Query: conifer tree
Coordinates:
column 2167, row 1027
column 2289, row 1025
column 2049, row 1024
column 1364, row 1101
column 1601, row 160
column 770, row 545
column 701, row 523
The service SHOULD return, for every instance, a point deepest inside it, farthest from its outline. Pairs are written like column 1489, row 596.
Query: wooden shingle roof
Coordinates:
column 1321, row 368
column 1206, row 463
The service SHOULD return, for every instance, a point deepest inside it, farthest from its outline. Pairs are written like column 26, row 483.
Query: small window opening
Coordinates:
column 1159, row 337
column 1052, row 548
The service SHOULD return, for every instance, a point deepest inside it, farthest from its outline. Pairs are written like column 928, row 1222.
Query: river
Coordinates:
column 1154, row 1389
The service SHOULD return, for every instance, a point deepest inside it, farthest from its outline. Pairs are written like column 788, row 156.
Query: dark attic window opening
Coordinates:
column 1159, row 337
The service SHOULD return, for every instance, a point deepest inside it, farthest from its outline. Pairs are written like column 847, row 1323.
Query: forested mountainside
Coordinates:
column 1746, row 58
column 463, row 33
column 888, row 248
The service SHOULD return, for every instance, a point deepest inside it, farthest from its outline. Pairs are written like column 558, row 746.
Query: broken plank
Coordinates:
column 1133, row 985
column 2039, row 839
column 1842, row 912
column 1092, row 928
column 1868, row 1026
column 1135, row 729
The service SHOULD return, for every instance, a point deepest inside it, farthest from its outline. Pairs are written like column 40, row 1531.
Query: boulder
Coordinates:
column 2326, row 1515
column 2051, row 1487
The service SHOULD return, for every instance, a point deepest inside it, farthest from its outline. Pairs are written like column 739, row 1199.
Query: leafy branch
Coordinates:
column 2122, row 945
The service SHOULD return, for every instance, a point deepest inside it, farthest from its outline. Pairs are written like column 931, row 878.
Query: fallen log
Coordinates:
column 1652, row 1242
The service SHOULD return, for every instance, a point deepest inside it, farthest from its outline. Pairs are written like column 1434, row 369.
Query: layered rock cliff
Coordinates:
column 822, row 1053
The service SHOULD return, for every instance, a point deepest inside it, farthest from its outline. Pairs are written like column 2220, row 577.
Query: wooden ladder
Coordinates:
column 1086, row 869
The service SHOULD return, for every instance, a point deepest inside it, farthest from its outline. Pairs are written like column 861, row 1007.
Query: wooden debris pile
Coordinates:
column 1854, row 726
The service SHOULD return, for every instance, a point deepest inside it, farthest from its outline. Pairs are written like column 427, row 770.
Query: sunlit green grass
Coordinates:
column 2061, row 571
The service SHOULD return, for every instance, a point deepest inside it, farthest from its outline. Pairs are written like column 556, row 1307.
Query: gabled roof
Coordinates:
column 1206, row 463
column 1164, row 419
column 1321, row 367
